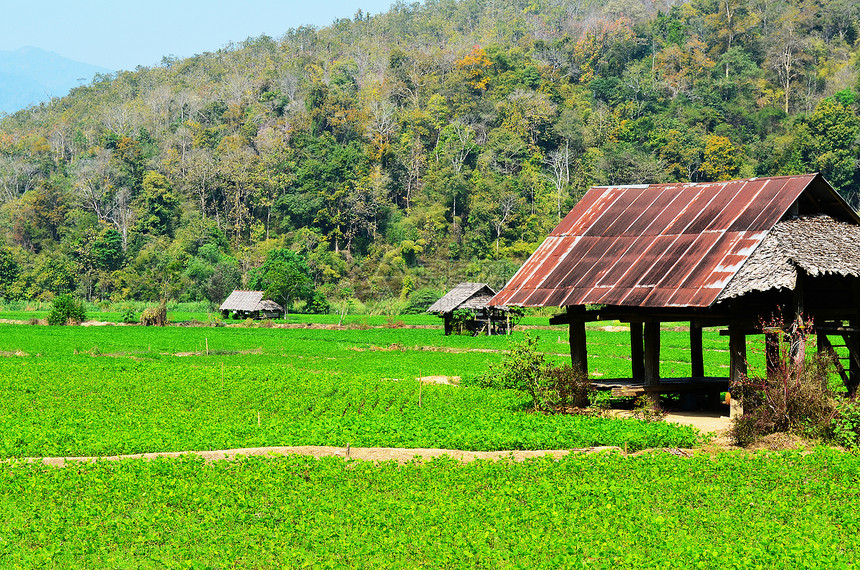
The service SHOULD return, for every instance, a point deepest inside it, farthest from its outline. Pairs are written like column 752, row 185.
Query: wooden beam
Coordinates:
column 578, row 353
column 737, row 367
column 697, row 357
column 652, row 358
column 641, row 315
column 771, row 352
column 637, row 351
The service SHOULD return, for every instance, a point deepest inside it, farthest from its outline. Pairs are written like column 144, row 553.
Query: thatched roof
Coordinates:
column 248, row 301
column 819, row 245
column 464, row 296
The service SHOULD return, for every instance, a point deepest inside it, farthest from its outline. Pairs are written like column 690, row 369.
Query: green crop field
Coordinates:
column 71, row 391
column 107, row 390
column 783, row 510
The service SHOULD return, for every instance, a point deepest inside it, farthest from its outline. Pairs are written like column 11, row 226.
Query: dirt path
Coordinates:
column 401, row 455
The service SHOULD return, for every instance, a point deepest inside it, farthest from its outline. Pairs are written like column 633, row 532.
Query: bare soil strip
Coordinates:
column 400, row 455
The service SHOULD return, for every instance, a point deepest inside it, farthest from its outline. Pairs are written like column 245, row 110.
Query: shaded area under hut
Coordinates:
column 465, row 309
column 724, row 254
column 250, row 304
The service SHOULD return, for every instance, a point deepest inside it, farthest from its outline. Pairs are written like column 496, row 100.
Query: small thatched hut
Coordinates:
column 250, row 304
column 471, row 298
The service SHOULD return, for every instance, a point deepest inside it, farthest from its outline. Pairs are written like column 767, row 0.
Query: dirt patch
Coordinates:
column 780, row 442
column 394, row 347
column 447, row 380
column 6, row 353
column 400, row 455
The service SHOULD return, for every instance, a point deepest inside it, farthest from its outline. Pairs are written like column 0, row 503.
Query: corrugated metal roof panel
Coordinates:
column 657, row 245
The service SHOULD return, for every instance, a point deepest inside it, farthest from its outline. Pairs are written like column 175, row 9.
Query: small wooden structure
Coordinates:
column 472, row 298
column 728, row 254
column 250, row 304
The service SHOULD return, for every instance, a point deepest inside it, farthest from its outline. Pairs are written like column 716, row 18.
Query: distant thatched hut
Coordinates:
column 250, row 304
column 472, row 298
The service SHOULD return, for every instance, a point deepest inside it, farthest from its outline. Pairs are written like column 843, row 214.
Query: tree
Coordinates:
column 787, row 54
column 159, row 206
column 722, row 160
column 284, row 278
column 9, row 270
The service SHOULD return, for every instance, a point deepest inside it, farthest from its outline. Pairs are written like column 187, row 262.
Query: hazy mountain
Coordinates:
column 29, row 75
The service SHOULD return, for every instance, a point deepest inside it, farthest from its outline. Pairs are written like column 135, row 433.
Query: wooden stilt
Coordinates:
column 697, row 357
column 852, row 340
column 578, row 353
column 771, row 352
column 652, row 359
column 637, row 351
column 737, row 367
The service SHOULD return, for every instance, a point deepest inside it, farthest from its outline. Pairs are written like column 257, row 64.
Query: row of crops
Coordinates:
column 784, row 510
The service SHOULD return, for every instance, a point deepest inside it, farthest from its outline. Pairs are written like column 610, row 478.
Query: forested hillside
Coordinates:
column 434, row 143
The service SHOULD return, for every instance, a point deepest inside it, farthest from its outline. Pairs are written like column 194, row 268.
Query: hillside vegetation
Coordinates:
column 434, row 143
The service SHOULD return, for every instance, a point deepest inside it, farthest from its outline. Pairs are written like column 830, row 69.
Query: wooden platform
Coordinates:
column 622, row 387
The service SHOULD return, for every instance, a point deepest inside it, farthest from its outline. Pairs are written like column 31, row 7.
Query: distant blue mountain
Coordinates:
column 30, row 75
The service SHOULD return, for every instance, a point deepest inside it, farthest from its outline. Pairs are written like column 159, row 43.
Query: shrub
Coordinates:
column 572, row 387
column 318, row 305
column 128, row 315
column 793, row 398
column 552, row 389
column 846, row 424
column 66, row 310
column 420, row 301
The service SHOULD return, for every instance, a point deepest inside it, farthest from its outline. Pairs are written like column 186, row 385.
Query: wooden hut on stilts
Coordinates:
column 727, row 254
column 478, row 318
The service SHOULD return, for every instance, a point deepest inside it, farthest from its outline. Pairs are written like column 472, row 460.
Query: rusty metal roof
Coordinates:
column 661, row 245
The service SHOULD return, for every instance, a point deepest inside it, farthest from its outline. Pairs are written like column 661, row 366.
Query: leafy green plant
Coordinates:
column 459, row 321
column 552, row 388
column 66, row 310
column 846, row 424
column 128, row 314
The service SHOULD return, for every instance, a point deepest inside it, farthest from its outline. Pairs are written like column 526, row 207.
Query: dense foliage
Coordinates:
column 789, row 510
column 393, row 152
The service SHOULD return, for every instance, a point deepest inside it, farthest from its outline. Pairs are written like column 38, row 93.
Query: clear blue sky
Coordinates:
column 118, row 34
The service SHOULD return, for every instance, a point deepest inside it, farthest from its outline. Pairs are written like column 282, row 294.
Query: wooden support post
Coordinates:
column 852, row 340
column 737, row 367
column 798, row 348
column 697, row 357
column 652, row 359
column 771, row 352
column 637, row 351
column 578, row 353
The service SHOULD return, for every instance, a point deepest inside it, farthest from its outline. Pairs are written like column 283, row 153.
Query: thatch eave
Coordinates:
column 815, row 245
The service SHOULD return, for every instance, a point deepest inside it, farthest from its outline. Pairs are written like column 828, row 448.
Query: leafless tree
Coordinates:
column 17, row 175
column 558, row 161
column 94, row 184
column 121, row 214
column 506, row 205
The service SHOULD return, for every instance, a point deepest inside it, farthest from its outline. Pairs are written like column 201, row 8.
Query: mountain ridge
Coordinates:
column 30, row 75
